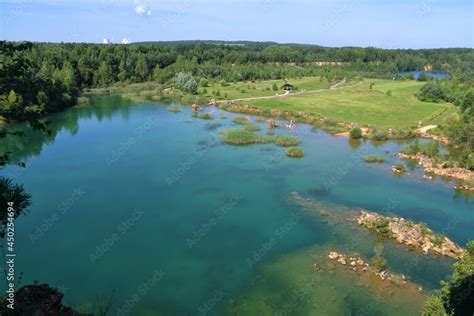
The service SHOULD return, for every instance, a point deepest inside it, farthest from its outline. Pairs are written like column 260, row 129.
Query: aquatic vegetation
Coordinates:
column 294, row 152
column 287, row 141
column 241, row 121
column 316, row 285
column 374, row 159
column 382, row 227
column 379, row 136
column 398, row 168
column 212, row 126
column 205, row 116
column 252, row 128
column 175, row 108
column 243, row 137
column 378, row 263
column 83, row 101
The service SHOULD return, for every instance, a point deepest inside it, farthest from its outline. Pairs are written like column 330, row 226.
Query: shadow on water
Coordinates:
column 32, row 144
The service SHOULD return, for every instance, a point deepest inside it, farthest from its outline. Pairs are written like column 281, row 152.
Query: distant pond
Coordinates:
column 417, row 73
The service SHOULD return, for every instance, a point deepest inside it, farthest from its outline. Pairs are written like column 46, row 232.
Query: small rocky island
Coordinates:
column 409, row 233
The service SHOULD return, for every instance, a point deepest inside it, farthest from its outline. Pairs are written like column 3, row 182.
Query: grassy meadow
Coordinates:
column 389, row 104
column 244, row 90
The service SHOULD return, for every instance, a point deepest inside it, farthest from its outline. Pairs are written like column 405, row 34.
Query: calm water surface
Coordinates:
column 149, row 204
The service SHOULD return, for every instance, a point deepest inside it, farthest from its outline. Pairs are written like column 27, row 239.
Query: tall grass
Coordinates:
column 242, row 137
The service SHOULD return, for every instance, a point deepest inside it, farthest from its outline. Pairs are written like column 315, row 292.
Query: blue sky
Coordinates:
column 382, row 23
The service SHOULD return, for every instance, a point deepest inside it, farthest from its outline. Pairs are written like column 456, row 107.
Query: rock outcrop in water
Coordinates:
column 357, row 264
column 408, row 233
column 430, row 166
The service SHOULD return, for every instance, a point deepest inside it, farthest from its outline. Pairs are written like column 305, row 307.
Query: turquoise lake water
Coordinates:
column 417, row 73
column 151, row 206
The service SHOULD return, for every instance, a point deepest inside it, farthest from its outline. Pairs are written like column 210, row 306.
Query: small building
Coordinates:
column 288, row 87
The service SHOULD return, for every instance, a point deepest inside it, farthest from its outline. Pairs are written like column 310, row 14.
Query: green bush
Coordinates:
column 467, row 160
column 424, row 229
column 374, row 159
column 400, row 168
column 356, row 133
column 381, row 225
column 403, row 134
column 294, row 152
column 455, row 298
column 287, row 141
column 185, row 82
column 438, row 241
column 224, row 83
column 432, row 92
column 379, row 136
column 434, row 306
column 204, row 83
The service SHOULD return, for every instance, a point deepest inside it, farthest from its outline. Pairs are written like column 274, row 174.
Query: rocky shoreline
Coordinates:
column 406, row 232
column 429, row 166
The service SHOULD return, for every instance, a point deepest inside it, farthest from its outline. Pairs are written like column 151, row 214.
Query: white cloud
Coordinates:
column 142, row 9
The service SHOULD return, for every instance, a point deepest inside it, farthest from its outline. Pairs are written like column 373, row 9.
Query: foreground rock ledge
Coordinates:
column 408, row 233
column 40, row 300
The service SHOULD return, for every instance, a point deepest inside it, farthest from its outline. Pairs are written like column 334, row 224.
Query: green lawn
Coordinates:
column 260, row 88
column 358, row 104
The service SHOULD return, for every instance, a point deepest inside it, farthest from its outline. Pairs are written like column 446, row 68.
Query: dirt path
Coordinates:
column 423, row 130
column 288, row 94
